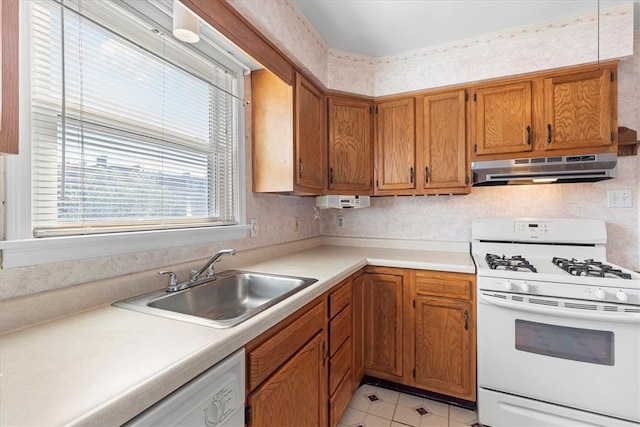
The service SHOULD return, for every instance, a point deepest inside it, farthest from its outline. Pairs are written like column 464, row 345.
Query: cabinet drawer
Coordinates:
column 443, row 284
column 339, row 329
column 339, row 401
column 339, row 299
column 268, row 356
column 339, row 365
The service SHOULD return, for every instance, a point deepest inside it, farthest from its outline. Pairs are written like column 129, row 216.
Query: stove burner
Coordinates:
column 589, row 268
column 513, row 263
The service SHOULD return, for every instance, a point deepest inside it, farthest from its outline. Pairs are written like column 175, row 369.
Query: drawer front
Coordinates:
column 339, row 366
column 339, row 401
column 339, row 329
column 339, row 299
column 443, row 284
column 268, row 356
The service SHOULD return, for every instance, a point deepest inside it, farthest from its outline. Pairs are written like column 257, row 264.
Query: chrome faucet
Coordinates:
column 211, row 273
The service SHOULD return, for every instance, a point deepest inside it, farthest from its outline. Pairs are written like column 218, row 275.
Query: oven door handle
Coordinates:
column 571, row 313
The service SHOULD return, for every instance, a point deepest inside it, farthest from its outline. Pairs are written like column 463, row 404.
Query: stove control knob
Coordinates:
column 508, row 285
column 524, row 286
column 621, row 295
column 599, row 293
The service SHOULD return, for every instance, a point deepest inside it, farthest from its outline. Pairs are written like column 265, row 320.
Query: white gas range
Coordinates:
column 558, row 326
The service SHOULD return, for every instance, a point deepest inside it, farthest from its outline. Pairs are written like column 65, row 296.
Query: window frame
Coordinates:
column 21, row 249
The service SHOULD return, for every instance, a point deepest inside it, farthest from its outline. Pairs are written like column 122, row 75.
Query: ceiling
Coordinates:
column 378, row 28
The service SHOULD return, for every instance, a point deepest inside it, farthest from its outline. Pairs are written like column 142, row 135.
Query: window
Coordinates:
column 130, row 129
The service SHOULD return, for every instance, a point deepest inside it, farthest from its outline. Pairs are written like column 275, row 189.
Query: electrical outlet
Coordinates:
column 340, row 221
column 619, row 199
column 254, row 227
column 296, row 224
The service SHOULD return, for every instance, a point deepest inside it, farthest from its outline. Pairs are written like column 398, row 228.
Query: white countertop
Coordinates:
column 105, row 366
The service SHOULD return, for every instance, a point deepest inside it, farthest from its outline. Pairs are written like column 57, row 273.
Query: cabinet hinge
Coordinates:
column 247, row 415
column 377, row 185
column 466, row 180
column 475, row 148
column 370, row 110
column 613, row 136
column 414, row 303
column 376, row 109
column 613, row 76
column 414, row 373
column 466, row 96
column 475, row 97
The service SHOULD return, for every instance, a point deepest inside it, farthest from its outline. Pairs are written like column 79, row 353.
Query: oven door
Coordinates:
column 563, row 352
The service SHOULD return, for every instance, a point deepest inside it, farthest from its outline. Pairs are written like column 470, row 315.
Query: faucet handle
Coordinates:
column 173, row 279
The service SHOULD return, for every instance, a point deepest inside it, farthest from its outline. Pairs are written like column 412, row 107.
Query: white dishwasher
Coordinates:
column 214, row 399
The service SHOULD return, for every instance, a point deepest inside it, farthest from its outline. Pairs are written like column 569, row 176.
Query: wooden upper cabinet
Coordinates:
column 502, row 119
column 443, row 142
column 350, row 150
column 9, row 87
column 309, row 137
column 580, row 110
column 288, row 135
column 395, row 145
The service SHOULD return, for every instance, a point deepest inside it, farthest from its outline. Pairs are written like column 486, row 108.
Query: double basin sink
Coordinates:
column 230, row 298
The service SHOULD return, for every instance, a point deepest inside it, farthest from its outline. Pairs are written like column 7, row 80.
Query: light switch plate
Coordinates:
column 619, row 199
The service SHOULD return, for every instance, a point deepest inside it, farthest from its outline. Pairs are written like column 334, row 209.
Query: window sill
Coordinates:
column 28, row 252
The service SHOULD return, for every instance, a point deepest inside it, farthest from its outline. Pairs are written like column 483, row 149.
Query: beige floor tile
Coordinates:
column 462, row 415
column 352, row 416
column 406, row 416
column 434, row 421
column 388, row 395
column 437, row 408
column 409, row 400
column 360, row 402
column 373, row 421
column 382, row 409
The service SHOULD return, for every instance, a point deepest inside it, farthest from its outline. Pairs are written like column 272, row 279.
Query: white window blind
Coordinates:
column 131, row 129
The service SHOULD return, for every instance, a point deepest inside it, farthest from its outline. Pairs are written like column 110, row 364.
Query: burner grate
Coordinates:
column 512, row 263
column 589, row 268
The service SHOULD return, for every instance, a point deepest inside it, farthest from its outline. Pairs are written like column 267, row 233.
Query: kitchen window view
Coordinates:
column 131, row 129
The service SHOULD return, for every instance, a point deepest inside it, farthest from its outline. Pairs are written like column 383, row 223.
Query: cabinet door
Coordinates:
column 395, row 145
column 502, row 119
column 579, row 110
column 309, row 136
column 9, row 86
column 296, row 394
column 444, row 143
column 444, row 349
column 357, row 331
column 383, row 324
column 350, row 149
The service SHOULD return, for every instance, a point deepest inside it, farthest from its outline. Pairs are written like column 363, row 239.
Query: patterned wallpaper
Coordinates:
column 434, row 217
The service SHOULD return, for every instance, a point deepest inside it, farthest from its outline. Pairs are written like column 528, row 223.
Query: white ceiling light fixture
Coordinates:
column 186, row 26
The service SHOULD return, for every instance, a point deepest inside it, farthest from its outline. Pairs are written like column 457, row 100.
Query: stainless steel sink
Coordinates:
column 233, row 297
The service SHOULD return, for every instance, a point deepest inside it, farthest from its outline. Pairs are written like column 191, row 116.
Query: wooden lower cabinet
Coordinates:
column 357, row 336
column 444, row 333
column 383, row 322
column 340, row 327
column 292, row 396
column 287, row 372
column 412, row 327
